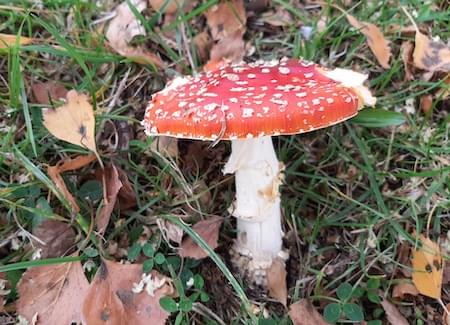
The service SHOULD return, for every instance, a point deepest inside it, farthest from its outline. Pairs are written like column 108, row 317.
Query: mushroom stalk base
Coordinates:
column 257, row 205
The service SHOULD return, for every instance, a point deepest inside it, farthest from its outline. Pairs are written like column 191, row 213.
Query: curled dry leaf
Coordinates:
column 112, row 184
column 54, row 292
column 428, row 268
column 304, row 313
column 127, row 196
column 404, row 288
column 58, row 238
column 426, row 103
column 227, row 24
column 47, row 92
column 375, row 39
column 431, row 55
column 407, row 57
column 166, row 146
column 4, row 290
column 207, row 229
column 170, row 231
column 393, row 315
column 202, row 42
column 73, row 122
column 114, row 296
column 7, row 40
column 276, row 281
column 121, row 30
column 279, row 17
column 54, row 172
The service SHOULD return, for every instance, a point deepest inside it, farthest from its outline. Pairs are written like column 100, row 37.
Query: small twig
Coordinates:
column 411, row 19
column 27, row 233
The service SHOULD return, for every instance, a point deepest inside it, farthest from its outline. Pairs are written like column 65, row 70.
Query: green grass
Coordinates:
column 352, row 194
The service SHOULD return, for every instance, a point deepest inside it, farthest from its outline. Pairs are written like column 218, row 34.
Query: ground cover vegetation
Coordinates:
column 101, row 224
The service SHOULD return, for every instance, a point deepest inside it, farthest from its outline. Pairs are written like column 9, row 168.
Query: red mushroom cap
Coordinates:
column 250, row 100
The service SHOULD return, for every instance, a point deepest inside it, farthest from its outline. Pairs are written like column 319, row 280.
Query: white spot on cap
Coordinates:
column 265, row 70
column 238, row 89
column 233, row 99
column 251, row 76
column 308, row 75
column 210, row 95
column 210, row 107
column 249, row 136
column 247, row 112
column 301, row 94
column 176, row 114
column 232, row 76
column 330, row 100
column 242, row 82
column 348, row 99
column 284, row 70
column 266, row 109
column 316, row 101
column 182, row 104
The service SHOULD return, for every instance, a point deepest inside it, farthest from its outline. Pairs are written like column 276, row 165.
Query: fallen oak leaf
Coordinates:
column 431, row 55
column 276, row 281
column 7, row 40
column 73, row 122
column 117, row 296
column 207, row 229
column 428, row 268
column 303, row 313
column 121, row 30
column 392, row 313
column 53, row 292
column 375, row 39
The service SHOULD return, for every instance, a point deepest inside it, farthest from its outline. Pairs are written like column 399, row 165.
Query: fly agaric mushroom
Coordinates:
column 247, row 104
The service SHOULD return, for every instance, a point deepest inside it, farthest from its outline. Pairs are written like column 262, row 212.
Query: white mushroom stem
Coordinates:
column 257, row 205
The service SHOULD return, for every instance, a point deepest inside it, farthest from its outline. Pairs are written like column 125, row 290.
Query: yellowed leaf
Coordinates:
column 276, row 281
column 7, row 40
column 54, row 292
column 122, row 294
column 304, row 313
column 73, row 122
column 207, row 229
column 47, row 92
column 431, row 55
column 427, row 267
column 375, row 39
column 123, row 28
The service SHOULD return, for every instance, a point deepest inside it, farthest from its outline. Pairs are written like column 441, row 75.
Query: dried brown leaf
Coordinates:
column 58, row 236
column 112, row 184
column 393, row 315
column 170, row 231
column 47, row 92
column 404, row 288
column 276, row 281
column 54, row 172
column 426, row 103
column 114, row 297
column 166, row 146
column 126, row 196
column 375, row 39
column 54, row 292
column 207, row 229
column 431, row 55
column 171, row 7
column 227, row 24
column 304, row 313
column 121, row 30
column 4, row 290
column 407, row 57
column 73, row 122
column 203, row 45
column 7, row 40
column 278, row 18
